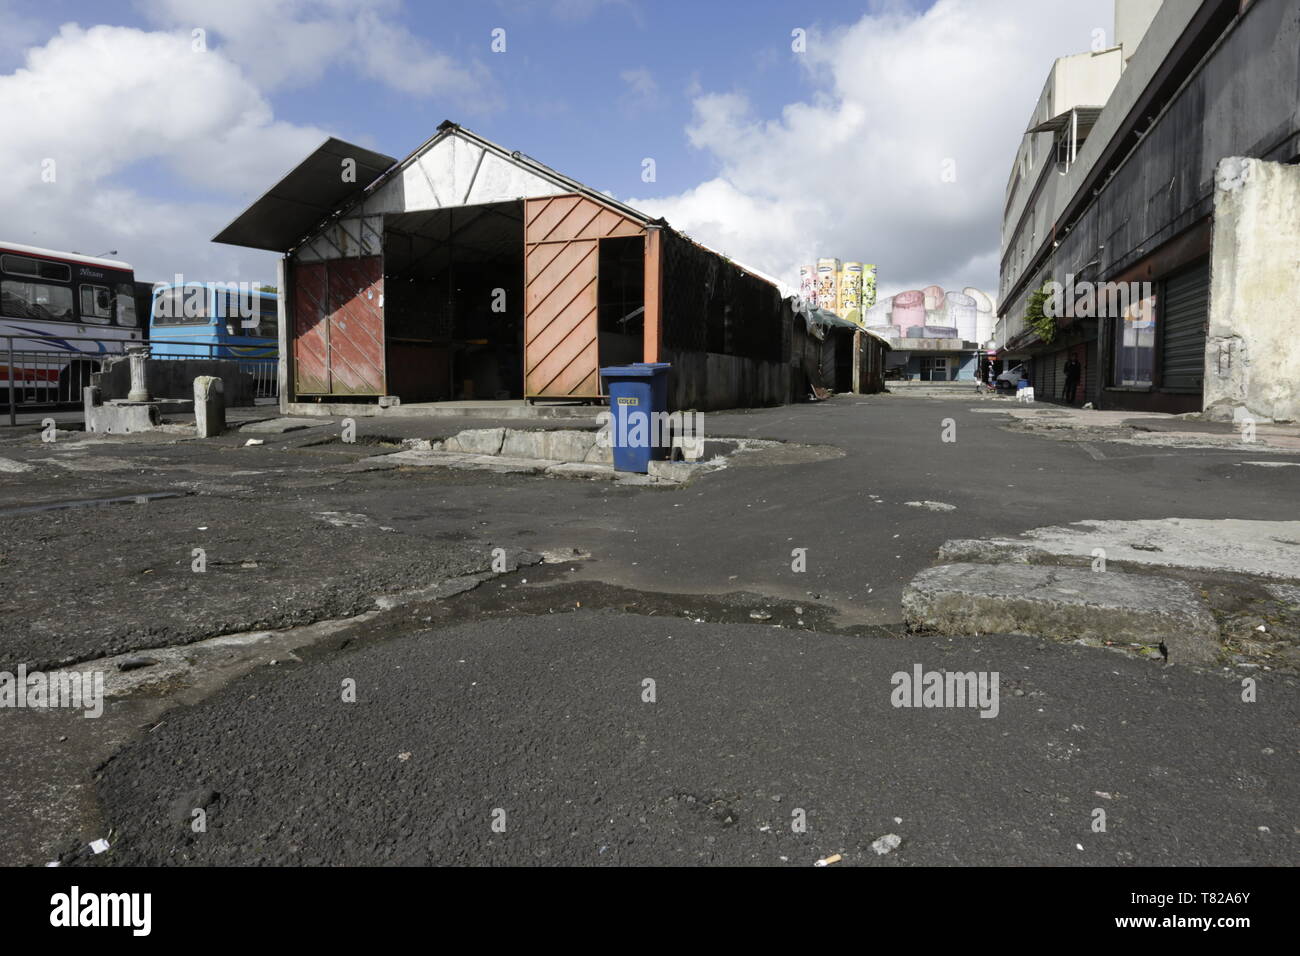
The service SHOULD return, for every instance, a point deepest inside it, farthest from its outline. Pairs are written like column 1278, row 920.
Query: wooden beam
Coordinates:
column 654, row 321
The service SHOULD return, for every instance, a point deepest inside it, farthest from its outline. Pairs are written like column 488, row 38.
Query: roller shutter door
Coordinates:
column 1184, row 315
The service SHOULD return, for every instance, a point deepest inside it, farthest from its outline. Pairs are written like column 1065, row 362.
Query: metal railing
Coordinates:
column 44, row 379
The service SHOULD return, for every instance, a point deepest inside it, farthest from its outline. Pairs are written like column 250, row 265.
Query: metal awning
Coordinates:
column 1087, row 117
column 298, row 202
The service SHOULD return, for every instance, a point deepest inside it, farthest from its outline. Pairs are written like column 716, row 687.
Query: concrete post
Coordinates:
column 858, row 385
column 1251, row 349
column 139, row 392
column 209, row 406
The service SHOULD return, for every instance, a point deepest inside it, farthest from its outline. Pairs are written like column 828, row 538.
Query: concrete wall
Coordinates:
column 1252, row 354
column 174, row 378
column 1132, row 20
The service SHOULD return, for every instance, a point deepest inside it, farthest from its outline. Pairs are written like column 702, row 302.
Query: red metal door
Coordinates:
column 339, row 327
column 356, row 332
column 311, row 347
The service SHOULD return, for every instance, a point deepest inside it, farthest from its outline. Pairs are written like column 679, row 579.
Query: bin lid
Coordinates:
column 640, row 370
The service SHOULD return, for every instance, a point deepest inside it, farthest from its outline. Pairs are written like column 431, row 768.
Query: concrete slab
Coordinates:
column 477, row 441
column 1063, row 604
column 279, row 426
column 418, row 458
column 483, row 410
column 564, row 445
column 1265, row 548
column 582, row 469
column 680, row 471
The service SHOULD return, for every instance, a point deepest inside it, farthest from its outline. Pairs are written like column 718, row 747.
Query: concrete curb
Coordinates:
column 1063, row 604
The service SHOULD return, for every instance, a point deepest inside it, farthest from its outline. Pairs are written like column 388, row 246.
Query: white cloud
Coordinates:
column 640, row 82
column 854, row 170
column 293, row 43
column 110, row 105
column 105, row 102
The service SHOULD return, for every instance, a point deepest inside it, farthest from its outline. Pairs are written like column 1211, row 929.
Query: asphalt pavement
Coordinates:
column 762, row 600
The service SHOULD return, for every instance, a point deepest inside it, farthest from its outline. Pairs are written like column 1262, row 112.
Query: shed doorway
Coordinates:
column 454, row 303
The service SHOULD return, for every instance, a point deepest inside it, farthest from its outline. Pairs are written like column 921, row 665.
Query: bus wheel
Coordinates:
column 74, row 378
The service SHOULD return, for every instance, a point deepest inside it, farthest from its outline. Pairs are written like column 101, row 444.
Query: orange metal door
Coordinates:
column 561, row 279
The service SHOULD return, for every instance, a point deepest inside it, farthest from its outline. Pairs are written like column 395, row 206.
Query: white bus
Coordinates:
column 59, row 312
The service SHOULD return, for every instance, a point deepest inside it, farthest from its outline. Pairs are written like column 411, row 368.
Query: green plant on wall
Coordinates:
column 1037, row 317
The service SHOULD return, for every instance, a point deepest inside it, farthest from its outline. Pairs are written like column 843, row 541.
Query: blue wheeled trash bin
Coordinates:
column 636, row 393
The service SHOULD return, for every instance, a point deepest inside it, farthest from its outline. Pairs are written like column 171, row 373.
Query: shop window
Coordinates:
column 1135, row 344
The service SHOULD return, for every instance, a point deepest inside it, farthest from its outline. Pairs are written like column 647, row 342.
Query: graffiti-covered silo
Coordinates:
column 878, row 315
column 868, row 285
column 908, row 311
column 808, row 284
column 984, row 317
column 828, row 281
column 851, row 292
column 961, row 315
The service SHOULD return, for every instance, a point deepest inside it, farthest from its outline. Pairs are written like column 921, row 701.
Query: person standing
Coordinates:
column 1072, row 372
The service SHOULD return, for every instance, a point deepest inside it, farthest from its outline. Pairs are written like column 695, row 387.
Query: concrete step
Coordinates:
column 1063, row 604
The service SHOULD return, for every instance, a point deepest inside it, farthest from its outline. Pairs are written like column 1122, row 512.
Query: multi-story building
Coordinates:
column 1156, row 193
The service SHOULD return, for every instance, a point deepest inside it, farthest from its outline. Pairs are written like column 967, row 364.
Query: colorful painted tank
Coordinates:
column 908, row 310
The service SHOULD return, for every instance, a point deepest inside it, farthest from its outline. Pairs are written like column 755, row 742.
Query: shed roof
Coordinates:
column 310, row 191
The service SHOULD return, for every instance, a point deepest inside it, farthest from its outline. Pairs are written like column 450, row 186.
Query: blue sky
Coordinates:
column 558, row 91
column 751, row 140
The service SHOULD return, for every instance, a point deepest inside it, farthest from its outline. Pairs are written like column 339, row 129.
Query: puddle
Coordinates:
column 141, row 499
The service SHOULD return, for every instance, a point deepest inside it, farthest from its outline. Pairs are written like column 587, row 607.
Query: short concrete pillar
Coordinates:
column 139, row 392
column 209, row 406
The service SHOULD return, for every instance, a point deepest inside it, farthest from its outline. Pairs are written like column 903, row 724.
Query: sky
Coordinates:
column 880, row 131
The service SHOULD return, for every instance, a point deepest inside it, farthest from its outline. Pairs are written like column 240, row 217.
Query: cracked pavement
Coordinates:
column 769, row 681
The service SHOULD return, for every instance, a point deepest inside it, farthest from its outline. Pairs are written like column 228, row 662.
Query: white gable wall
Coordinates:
column 453, row 171
column 457, row 172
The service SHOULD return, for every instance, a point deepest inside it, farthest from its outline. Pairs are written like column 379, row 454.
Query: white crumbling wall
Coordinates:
column 1252, row 351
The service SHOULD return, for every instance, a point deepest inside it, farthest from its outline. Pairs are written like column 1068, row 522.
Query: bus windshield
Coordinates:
column 180, row 306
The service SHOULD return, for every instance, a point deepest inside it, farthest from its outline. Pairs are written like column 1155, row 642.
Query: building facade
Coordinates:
column 1151, row 174
column 937, row 336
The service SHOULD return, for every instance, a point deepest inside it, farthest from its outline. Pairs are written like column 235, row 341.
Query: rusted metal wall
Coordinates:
column 561, row 273
column 339, row 327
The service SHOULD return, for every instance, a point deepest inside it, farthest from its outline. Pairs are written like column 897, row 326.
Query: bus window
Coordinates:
column 96, row 304
column 126, row 304
column 35, row 300
column 170, row 307
column 27, row 266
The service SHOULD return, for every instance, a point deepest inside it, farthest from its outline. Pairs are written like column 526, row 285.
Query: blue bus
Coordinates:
column 218, row 320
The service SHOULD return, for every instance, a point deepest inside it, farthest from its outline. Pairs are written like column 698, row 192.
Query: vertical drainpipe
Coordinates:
column 282, row 273
column 653, row 316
